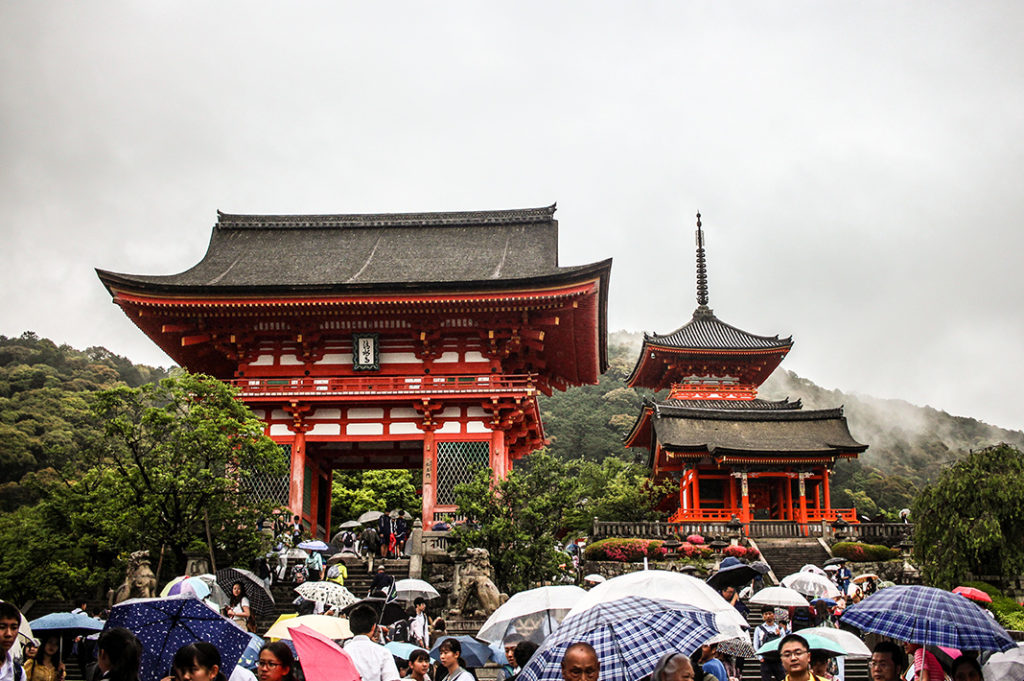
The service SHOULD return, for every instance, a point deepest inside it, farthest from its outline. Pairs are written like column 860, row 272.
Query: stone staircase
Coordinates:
column 786, row 556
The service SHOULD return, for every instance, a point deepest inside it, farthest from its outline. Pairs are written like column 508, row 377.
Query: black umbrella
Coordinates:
column 835, row 561
column 260, row 599
column 736, row 575
column 388, row 612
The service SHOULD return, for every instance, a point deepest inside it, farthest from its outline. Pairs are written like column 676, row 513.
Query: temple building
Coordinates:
column 733, row 453
column 415, row 340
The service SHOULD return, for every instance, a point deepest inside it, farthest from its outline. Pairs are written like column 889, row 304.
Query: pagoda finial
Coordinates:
column 702, row 269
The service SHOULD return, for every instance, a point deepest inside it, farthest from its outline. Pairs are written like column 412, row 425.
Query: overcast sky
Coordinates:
column 857, row 164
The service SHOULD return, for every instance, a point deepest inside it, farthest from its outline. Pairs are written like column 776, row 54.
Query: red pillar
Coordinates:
column 683, row 502
column 695, row 490
column 297, row 474
column 732, row 492
column 825, row 481
column 745, row 498
column 803, row 501
column 789, row 498
column 499, row 465
column 429, row 479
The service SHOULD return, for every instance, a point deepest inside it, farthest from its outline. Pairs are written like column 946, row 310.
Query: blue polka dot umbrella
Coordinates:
column 163, row 625
column 929, row 616
column 629, row 634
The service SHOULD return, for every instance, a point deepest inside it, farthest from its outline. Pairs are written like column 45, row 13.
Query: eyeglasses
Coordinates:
column 793, row 653
column 267, row 663
column 880, row 663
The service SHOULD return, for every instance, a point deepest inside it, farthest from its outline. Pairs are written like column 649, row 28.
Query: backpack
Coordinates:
column 400, row 631
column 768, row 636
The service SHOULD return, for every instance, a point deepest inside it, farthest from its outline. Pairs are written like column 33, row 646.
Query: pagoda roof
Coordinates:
column 756, row 431
column 371, row 252
column 705, row 331
column 640, row 432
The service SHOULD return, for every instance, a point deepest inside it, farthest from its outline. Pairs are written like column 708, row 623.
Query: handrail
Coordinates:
column 382, row 385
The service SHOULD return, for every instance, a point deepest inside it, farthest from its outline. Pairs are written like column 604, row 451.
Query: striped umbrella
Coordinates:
column 629, row 634
column 929, row 616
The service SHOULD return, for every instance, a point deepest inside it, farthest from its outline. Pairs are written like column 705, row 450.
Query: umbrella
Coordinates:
column 474, row 652
column 331, row 627
column 831, row 568
column 295, row 554
column 260, row 598
column 251, row 652
column 401, row 649
column 661, row 584
column 823, row 601
column 217, row 595
column 411, row 589
column 885, row 584
column 814, row 642
column 186, row 586
column 811, row 584
column 1006, row 666
column 66, row 621
column 973, row 594
column 730, row 644
column 595, row 578
column 629, row 634
column 838, row 560
column 929, row 616
column 534, row 614
column 350, row 525
column 328, row 593
column 860, row 579
column 813, row 568
column 314, row 545
column 849, row 641
column 370, row 516
column 779, row 595
column 163, row 625
column 732, row 573
column 387, row 611
column 322, row 659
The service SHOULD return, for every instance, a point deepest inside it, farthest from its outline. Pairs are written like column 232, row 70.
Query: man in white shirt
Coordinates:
column 420, row 626
column 10, row 622
column 373, row 661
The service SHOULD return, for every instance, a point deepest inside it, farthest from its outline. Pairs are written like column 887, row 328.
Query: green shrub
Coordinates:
column 859, row 552
column 1008, row 612
column 625, row 550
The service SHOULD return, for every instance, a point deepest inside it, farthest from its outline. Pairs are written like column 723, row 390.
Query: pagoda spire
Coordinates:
column 702, row 269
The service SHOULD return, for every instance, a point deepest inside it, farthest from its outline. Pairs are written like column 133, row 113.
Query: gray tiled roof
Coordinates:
column 705, row 330
column 731, row 405
column 375, row 251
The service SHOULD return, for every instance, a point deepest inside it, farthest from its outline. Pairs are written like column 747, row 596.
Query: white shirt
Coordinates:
column 420, row 629
column 7, row 670
column 240, row 673
column 373, row 661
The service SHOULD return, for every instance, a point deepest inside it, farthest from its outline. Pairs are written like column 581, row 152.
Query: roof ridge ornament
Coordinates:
column 702, row 271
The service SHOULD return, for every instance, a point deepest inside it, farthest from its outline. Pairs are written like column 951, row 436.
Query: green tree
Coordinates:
column 972, row 518
column 171, row 460
column 355, row 492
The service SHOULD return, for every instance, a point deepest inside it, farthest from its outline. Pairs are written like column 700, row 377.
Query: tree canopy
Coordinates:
column 972, row 518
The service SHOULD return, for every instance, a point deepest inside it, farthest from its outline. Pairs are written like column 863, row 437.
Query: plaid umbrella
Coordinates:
column 929, row 616
column 629, row 635
column 260, row 599
column 165, row 624
column 329, row 593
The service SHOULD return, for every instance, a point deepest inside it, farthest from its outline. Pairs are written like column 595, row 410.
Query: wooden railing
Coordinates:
column 371, row 386
column 775, row 528
column 713, row 515
column 815, row 515
column 886, row 533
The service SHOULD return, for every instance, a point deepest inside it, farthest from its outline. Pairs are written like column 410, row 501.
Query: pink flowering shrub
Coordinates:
column 748, row 552
column 625, row 550
column 691, row 550
column 695, row 539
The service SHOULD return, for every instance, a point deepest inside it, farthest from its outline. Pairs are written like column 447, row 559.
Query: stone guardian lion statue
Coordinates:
column 473, row 580
column 139, row 580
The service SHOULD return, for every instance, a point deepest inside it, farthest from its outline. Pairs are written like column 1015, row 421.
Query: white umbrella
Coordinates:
column 370, row 516
column 1008, row 666
column 664, row 585
column 810, row 584
column 781, row 596
column 534, row 612
column 595, row 578
column 328, row 593
column 831, row 568
column 849, row 642
column 334, row 628
column 411, row 589
column 864, row 577
column 813, row 568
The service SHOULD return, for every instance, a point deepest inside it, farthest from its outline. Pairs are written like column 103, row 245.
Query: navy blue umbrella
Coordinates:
column 163, row 625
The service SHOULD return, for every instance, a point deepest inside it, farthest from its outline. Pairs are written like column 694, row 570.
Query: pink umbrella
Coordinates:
column 321, row 658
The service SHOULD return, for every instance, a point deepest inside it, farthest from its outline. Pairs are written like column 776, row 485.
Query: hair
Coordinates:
column 794, row 637
column 400, row 663
column 41, row 657
column 765, row 609
column 123, row 650
column 896, row 652
column 698, row 668
column 440, row 626
column 283, row 653
column 9, row 612
column 419, row 654
column 524, row 651
column 452, row 645
column 199, row 653
column 581, row 645
column 362, row 619
column 235, row 600
column 819, row 656
column 668, row 664
column 968, row 660
column 419, row 599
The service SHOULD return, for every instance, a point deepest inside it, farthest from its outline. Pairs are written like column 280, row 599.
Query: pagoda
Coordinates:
column 411, row 340
column 733, row 453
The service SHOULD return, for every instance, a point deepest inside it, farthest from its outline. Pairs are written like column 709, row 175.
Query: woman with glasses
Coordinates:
column 275, row 663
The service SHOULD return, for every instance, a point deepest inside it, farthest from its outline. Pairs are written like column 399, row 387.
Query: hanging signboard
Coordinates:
column 366, row 351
